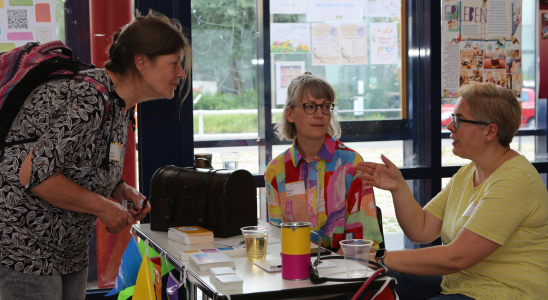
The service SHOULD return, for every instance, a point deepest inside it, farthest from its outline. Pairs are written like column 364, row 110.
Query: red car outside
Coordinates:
column 527, row 114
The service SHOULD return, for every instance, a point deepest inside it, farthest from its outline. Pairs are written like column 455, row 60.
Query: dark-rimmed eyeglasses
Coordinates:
column 457, row 120
column 310, row 108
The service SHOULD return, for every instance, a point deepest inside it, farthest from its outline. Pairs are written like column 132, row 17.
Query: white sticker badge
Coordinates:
column 295, row 188
column 115, row 150
column 470, row 209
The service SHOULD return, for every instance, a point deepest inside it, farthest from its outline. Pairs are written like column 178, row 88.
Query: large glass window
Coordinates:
column 224, row 69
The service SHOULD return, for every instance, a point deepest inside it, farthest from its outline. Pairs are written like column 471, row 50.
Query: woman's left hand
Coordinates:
column 126, row 192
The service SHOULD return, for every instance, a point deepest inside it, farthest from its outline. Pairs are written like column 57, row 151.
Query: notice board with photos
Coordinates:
column 481, row 41
column 355, row 45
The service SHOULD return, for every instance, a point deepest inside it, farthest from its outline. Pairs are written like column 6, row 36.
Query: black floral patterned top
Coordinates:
column 69, row 127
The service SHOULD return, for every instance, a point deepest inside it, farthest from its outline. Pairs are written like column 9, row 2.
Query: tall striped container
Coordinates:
column 295, row 250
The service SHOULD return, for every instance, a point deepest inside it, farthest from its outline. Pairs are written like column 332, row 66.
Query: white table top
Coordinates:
column 255, row 279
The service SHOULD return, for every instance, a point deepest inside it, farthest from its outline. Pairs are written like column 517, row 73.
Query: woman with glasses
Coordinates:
column 492, row 216
column 315, row 180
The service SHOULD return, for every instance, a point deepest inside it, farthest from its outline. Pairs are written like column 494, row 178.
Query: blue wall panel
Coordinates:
column 165, row 126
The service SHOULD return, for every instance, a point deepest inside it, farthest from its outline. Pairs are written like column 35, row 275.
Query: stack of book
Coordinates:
column 205, row 261
column 190, row 235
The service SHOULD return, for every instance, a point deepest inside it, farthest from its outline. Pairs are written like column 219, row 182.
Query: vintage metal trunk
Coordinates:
column 219, row 200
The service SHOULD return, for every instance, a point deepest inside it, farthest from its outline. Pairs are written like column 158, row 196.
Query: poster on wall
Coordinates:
column 481, row 41
column 285, row 71
column 544, row 20
column 353, row 44
column 287, row 7
column 325, row 44
column 384, row 43
column 23, row 21
column 334, row 10
column 289, row 38
column 381, row 8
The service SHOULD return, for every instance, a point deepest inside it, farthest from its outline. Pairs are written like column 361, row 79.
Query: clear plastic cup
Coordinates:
column 356, row 257
column 256, row 239
column 230, row 160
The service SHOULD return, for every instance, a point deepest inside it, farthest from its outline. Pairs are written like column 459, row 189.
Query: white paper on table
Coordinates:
column 274, row 248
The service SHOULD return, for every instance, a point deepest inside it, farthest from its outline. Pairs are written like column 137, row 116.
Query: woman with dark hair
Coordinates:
column 492, row 216
column 52, row 189
column 314, row 180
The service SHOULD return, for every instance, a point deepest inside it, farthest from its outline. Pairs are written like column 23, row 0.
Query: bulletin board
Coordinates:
column 481, row 42
column 23, row 21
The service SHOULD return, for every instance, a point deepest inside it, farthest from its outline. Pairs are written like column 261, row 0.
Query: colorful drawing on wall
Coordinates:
column 384, row 43
column 325, row 44
column 544, row 26
column 285, row 71
column 290, row 38
column 353, row 43
column 381, row 8
column 450, row 93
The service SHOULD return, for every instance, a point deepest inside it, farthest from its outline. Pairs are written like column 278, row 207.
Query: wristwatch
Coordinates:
column 379, row 256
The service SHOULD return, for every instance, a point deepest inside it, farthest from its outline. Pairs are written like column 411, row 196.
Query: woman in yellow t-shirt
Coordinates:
column 492, row 216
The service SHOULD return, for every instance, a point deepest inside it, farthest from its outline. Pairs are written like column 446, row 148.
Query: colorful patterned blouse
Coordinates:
column 324, row 192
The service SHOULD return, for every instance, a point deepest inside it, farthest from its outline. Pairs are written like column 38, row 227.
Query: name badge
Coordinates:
column 468, row 212
column 115, row 149
column 295, row 188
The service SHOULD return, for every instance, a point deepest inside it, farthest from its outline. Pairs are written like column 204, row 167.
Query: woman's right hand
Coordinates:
column 115, row 217
column 383, row 176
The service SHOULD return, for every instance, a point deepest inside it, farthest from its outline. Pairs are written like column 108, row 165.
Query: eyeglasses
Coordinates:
column 310, row 108
column 457, row 120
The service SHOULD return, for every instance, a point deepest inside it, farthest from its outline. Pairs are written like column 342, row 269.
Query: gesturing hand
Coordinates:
column 383, row 176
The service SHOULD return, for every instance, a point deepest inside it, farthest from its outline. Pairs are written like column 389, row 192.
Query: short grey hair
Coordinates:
column 318, row 88
column 493, row 104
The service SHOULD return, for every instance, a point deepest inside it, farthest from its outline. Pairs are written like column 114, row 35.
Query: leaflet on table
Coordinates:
column 481, row 42
column 236, row 251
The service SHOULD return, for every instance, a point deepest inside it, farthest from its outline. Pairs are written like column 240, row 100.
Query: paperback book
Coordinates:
column 190, row 235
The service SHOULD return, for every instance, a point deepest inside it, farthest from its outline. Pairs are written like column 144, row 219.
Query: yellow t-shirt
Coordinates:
column 511, row 209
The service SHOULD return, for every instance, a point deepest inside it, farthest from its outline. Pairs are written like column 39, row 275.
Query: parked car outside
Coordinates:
column 527, row 113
